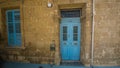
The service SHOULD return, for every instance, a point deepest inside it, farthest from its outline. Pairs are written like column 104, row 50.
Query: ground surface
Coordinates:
column 28, row 65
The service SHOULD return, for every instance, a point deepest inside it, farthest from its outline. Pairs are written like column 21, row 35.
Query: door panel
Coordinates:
column 75, row 40
column 70, row 38
column 64, row 41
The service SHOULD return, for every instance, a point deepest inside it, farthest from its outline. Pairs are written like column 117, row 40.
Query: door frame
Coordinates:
column 85, row 38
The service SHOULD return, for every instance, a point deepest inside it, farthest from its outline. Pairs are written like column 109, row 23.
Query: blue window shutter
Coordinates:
column 13, row 27
column 10, row 28
column 17, row 28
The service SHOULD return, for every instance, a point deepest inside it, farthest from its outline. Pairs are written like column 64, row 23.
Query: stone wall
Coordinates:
column 107, row 32
column 40, row 26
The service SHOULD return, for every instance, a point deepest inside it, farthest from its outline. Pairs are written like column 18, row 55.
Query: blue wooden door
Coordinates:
column 13, row 27
column 70, row 38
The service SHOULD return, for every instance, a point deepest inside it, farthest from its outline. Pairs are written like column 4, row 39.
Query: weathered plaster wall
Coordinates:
column 40, row 25
column 107, row 32
column 46, row 21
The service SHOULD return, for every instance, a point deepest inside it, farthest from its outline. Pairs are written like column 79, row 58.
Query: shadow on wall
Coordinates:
column 1, row 38
column 1, row 59
column 1, row 62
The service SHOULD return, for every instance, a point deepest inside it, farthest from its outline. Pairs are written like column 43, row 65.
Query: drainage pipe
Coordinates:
column 92, row 36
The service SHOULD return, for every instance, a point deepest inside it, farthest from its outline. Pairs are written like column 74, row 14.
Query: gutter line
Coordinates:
column 92, row 39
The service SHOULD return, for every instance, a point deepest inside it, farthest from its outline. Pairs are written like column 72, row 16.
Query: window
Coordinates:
column 70, row 13
column 13, row 27
column 64, row 33
column 75, row 33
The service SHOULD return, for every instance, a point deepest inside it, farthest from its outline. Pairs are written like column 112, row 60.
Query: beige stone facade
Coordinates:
column 41, row 24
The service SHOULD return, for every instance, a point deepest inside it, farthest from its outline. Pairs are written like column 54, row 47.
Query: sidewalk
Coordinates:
column 28, row 65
